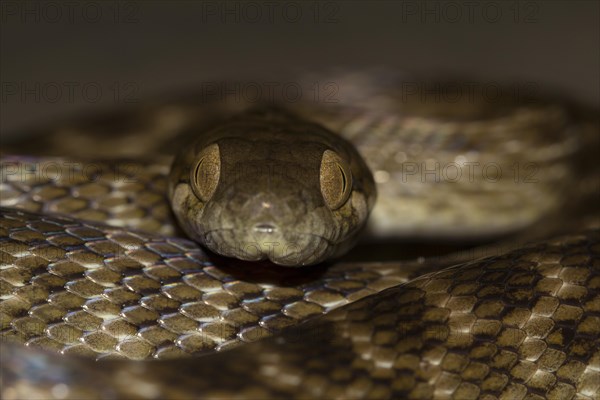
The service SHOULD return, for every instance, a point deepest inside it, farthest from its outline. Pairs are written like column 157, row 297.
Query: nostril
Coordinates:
column 264, row 228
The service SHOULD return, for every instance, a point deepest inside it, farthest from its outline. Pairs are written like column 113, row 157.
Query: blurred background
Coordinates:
column 61, row 58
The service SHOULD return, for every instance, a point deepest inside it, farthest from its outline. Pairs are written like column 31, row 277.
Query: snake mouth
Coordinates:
column 290, row 250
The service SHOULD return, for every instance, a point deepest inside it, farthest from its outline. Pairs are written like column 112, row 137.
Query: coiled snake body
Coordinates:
column 93, row 264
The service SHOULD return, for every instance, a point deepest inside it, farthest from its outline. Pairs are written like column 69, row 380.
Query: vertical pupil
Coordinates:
column 335, row 180
column 343, row 178
column 206, row 173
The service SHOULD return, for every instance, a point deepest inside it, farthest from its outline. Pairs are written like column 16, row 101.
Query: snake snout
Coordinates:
column 265, row 228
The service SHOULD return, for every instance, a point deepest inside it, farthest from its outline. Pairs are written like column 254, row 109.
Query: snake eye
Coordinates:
column 206, row 173
column 335, row 179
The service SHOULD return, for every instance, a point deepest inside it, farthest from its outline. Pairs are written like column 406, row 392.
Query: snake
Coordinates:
column 383, row 245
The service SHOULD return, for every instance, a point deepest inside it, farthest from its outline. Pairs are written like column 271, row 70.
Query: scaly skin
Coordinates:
column 92, row 264
column 525, row 322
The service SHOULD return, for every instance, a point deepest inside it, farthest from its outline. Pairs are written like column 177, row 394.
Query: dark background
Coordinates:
column 132, row 50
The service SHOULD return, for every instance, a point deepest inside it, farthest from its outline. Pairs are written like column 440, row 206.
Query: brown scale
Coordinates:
column 523, row 324
column 522, row 321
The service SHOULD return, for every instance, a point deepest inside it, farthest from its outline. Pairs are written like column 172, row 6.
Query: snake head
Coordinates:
column 273, row 188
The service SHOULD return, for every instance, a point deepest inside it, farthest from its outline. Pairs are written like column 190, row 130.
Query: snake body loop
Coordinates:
column 111, row 300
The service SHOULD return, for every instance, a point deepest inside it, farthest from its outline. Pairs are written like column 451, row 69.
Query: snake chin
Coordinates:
column 289, row 249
